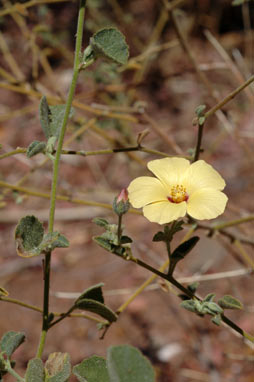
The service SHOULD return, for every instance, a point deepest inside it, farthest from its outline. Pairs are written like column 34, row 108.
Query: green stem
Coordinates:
column 187, row 292
column 45, row 323
column 13, row 372
column 62, row 317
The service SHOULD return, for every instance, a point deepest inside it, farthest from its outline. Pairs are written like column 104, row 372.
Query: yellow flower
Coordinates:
column 179, row 188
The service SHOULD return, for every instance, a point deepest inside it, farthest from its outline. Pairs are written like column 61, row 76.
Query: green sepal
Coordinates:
column 230, row 302
column 35, row 148
column 120, row 208
column 93, row 369
column 11, row 341
column 97, row 308
column 28, row 236
column 169, row 232
column 58, row 367
column 110, row 43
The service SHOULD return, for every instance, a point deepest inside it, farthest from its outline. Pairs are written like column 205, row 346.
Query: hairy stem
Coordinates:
column 45, row 323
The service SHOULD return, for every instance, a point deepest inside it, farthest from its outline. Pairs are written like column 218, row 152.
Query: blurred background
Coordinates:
column 182, row 54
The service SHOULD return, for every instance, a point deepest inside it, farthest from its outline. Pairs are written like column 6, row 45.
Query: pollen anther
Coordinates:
column 178, row 194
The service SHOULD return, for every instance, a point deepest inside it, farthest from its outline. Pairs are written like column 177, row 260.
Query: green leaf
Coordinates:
column 104, row 243
column 159, row 236
column 56, row 119
column 189, row 305
column 96, row 307
column 35, row 148
column 35, row 371
column 28, row 236
column 211, row 308
column 127, row 364
column 110, row 43
column 44, row 115
column 216, row 320
column 209, row 297
column 11, row 341
column 93, row 293
column 193, row 287
column 125, row 240
column 201, row 120
column 53, row 240
column 180, row 252
column 93, row 369
column 51, row 118
column 101, row 222
column 58, row 367
column 229, row 302
column 200, row 110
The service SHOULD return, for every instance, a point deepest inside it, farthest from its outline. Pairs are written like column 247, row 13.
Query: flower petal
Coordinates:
column 202, row 175
column 169, row 170
column 206, row 203
column 164, row 212
column 145, row 190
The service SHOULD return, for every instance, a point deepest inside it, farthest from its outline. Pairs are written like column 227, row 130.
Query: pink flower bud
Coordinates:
column 123, row 196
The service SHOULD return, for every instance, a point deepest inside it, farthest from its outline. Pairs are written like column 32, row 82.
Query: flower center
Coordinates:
column 178, row 194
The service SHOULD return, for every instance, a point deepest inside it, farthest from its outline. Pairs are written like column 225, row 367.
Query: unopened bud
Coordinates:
column 121, row 203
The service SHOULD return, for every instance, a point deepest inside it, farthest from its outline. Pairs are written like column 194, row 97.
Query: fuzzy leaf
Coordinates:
column 209, row 297
column 93, row 293
column 53, row 240
column 110, row 43
column 28, row 236
column 58, row 367
column 51, row 118
column 93, row 369
column 101, row 222
column 200, row 110
column 96, row 307
column 44, row 114
column 229, row 302
column 11, row 341
column 35, row 148
column 216, row 320
column 189, row 305
column 211, row 308
column 104, row 243
column 127, row 364
column 35, row 371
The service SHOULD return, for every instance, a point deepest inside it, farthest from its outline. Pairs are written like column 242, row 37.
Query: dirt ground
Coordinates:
column 158, row 91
